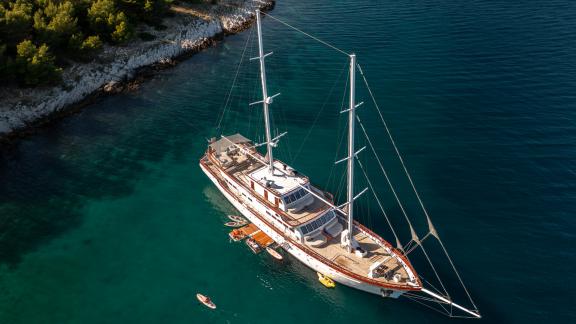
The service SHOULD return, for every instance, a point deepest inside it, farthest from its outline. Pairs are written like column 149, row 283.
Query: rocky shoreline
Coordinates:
column 117, row 69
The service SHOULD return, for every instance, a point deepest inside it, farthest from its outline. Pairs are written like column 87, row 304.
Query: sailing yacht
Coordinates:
column 302, row 218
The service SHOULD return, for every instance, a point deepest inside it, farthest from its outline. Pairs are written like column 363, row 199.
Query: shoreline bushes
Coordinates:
column 39, row 37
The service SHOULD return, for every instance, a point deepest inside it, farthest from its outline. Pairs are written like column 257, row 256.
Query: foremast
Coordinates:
column 266, row 101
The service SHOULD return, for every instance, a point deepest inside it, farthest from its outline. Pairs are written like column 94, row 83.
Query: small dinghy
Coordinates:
column 233, row 224
column 206, row 301
column 236, row 235
column 238, row 219
column 253, row 245
column 274, row 253
column 327, row 282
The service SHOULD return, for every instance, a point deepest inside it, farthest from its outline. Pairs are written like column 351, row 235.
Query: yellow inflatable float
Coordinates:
column 327, row 282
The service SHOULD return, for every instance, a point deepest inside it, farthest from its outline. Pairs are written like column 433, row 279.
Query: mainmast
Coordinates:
column 351, row 153
column 265, row 99
column 347, row 239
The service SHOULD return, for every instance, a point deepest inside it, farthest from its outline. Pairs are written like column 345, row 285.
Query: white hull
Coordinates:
column 293, row 249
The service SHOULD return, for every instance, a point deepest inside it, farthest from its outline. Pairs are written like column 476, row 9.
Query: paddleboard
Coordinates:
column 206, row 301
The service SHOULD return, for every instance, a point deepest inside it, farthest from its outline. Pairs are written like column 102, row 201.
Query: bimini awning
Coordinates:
column 224, row 143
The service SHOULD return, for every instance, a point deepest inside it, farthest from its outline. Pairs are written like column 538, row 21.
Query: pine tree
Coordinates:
column 122, row 28
column 36, row 65
column 35, row 35
column 84, row 48
column 15, row 21
column 98, row 15
column 55, row 23
column 108, row 22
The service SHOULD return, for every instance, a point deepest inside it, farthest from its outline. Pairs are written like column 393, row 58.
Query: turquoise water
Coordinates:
column 105, row 216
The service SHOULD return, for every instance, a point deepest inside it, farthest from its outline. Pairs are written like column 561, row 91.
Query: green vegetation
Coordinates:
column 39, row 37
column 35, row 64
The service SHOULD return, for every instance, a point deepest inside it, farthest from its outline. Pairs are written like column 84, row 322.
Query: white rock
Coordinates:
column 185, row 32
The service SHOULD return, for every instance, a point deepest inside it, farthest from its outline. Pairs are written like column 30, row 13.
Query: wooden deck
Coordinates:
column 262, row 239
column 249, row 229
column 376, row 253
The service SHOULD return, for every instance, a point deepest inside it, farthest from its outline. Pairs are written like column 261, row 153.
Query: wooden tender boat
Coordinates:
column 274, row 253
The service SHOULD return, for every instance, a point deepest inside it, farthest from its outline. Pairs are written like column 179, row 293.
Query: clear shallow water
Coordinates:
column 106, row 218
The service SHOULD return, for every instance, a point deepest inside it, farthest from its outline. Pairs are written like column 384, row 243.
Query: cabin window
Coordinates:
column 252, row 185
column 266, row 194
column 277, row 201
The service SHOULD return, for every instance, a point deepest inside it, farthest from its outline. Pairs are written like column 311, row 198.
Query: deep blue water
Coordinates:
column 105, row 216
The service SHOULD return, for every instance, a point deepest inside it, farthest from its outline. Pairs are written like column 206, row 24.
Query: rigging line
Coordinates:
column 377, row 200
column 434, row 270
column 333, row 174
column 341, row 185
column 370, row 213
column 256, row 129
column 343, row 177
column 444, row 312
column 463, row 316
column 319, row 113
column 429, row 299
column 412, row 231
column 408, row 246
column 300, row 31
column 386, row 176
column 433, row 287
column 421, row 242
column 341, row 137
column 286, row 147
column 368, row 201
column 439, row 293
column 227, row 101
column 412, row 247
column 457, row 274
column 430, row 224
